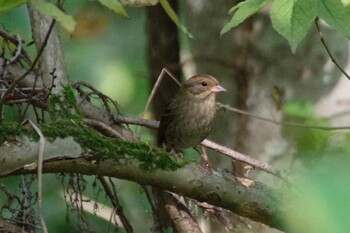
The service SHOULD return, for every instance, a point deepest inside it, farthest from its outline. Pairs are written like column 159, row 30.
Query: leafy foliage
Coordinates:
column 171, row 13
column 243, row 11
column 293, row 19
column 115, row 6
column 50, row 9
column 336, row 14
column 6, row 5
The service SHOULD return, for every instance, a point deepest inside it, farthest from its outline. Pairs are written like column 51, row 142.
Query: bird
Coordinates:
column 187, row 119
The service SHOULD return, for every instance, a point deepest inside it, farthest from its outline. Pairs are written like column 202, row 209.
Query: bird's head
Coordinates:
column 203, row 85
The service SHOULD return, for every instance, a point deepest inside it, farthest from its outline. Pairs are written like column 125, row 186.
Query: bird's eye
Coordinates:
column 204, row 83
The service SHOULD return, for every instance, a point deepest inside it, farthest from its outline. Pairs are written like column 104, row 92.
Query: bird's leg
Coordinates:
column 177, row 154
column 204, row 157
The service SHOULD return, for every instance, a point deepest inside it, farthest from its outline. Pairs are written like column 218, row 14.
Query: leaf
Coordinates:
column 336, row 15
column 50, row 9
column 6, row 5
column 292, row 19
column 171, row 13
column 244, row 10
column 115, row 6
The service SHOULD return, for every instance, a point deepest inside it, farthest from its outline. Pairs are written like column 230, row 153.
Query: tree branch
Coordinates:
column 207, row 143
column 255, row 201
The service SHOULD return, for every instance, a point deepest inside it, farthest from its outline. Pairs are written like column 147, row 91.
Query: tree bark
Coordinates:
column 250, row 199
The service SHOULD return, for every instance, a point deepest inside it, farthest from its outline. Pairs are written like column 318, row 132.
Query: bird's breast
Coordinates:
column 192, row 124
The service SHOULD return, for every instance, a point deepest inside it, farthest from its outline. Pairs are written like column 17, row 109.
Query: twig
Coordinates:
column 15, row 41
column 212, row 145
column 102, row 96
column 154, row 89
column 30, row 100
column 40, row 172
column 136, row 121
column 25, row 205
column 18, row 51
column 7, row 192
column 240, row 157
column 24, row 89
column 115, row 202
column 14, row 83
column 101, row 125
column 328, row 51
column 227, row 107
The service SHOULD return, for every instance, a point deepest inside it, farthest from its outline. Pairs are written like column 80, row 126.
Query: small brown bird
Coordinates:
column 187, row 119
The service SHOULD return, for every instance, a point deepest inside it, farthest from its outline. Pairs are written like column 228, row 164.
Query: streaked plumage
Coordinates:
column 187, row 119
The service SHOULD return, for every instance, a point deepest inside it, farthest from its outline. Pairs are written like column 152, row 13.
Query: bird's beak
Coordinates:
column 217, row 89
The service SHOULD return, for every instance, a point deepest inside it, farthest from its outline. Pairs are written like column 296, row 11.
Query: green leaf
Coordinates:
column 336, row 15
column 115, row 6
column 171, row 13
column 6, row 5
column 50, row 9
column 292, row 19
column 244, row 10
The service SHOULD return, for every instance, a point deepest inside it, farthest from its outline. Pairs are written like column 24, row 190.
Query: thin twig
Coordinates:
column 328, row 51
column 229, row 108
column 103, row 126
column 31, row 68
column 102, row 96
column 156, row 85
column 24, row 89
column 212, row 145
column 155, row 88
column 15, row 41
column 240, row 157
column 152, row 124
column 26, row 200
column 40, row 172
column 18, row 51
column 115, row 202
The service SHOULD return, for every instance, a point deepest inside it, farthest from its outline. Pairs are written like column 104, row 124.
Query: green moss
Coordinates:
column 64, row 106
column 8, row 130
column 102, row 147
column 68, row 121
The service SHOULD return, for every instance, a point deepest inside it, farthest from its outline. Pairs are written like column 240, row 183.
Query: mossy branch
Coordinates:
column 75, row 148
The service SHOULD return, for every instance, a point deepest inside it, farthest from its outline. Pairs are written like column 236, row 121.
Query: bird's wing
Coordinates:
column 166, row 119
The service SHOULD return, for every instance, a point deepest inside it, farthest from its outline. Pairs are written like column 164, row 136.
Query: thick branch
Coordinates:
column 255, row 201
